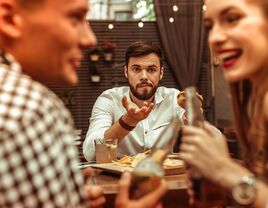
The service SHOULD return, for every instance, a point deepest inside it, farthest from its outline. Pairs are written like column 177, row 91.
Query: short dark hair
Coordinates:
column 30, row 4
column 141, row 48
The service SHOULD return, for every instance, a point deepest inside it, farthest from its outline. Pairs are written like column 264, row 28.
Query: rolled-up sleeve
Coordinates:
column 101, row 119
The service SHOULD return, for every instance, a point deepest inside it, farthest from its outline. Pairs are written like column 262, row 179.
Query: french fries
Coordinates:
column 127, row 160
column 132, row 161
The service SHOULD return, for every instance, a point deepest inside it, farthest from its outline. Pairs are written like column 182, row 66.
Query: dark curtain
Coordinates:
column 183, row 40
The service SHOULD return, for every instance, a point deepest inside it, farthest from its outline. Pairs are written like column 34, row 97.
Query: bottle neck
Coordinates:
column 194, row 112
column 166, row 141
column 159, row 155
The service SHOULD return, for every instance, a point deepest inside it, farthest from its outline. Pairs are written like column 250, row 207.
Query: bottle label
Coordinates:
column 143, row 183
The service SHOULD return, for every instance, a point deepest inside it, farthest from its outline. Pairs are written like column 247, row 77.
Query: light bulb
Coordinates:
column 140, row 24
column 175, row 8
column 110, row 26
column 171, row 19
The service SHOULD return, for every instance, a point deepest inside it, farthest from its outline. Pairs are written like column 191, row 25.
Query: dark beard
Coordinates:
column 145, row 95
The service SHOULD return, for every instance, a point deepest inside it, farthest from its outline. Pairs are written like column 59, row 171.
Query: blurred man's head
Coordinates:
column 143, row 69
column 46, row 37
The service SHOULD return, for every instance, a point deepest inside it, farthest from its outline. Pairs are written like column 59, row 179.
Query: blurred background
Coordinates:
column 177, row 26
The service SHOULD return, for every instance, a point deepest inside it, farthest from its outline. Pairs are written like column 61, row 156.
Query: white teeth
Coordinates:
column 227, row 55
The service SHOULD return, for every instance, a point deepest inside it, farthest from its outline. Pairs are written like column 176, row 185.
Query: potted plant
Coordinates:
column 108, row 49
column 94, row 54
column 94, row 75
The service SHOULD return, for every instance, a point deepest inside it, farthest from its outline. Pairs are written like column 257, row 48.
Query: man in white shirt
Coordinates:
column 135, row 115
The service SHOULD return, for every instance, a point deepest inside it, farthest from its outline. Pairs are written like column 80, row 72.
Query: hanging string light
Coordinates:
column 140, row 24
column 171, row 19
column 175, row 8
column 111, row 26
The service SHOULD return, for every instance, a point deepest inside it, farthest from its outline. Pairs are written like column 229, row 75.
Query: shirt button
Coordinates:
column 146, row 132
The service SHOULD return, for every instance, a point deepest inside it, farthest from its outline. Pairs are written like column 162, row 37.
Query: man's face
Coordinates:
column 143, row 74
column 52, row 38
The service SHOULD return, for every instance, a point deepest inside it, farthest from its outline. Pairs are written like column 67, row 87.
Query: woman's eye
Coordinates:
column 232, row 18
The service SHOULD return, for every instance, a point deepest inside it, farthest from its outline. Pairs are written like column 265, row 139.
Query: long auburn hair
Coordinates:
column 249, row 117
column 251, row 125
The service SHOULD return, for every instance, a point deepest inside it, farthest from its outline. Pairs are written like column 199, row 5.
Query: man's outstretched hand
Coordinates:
column 134, row 113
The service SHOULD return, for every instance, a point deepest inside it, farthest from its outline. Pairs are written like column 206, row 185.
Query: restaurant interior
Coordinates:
column 177, row 26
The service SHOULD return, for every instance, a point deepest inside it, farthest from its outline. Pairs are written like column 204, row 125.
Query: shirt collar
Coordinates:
column 8, row 61
column 158, row 98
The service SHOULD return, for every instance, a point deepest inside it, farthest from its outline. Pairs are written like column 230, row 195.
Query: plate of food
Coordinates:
column 172, row 165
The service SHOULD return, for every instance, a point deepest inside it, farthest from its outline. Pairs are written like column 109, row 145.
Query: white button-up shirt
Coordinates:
column 108, row 109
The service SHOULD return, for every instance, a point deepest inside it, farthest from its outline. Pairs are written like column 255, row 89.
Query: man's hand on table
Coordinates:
column 151, row 200
column 94, row 194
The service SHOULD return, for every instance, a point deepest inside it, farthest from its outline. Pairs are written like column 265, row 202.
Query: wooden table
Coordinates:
column 175, row 197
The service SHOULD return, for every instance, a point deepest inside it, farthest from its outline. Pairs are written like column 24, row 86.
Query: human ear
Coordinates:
column 161, row 73
column 125, row 72
column 9, row 19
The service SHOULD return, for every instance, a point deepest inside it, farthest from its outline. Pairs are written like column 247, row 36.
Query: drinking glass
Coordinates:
column 105, row 150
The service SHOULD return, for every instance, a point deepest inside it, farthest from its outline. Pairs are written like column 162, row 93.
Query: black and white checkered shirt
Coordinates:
column 38, row 165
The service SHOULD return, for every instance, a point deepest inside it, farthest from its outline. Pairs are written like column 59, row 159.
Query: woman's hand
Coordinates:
column 205, row 149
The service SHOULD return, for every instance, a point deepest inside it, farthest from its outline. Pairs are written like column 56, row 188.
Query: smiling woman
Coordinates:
column 238, row 25
column 238, row 35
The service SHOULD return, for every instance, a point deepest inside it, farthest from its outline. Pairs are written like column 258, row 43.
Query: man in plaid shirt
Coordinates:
column 41, row 42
